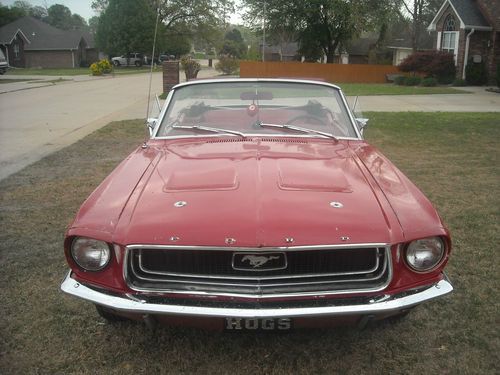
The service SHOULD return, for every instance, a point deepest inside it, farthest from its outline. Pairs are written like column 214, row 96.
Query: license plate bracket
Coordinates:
column 258, row 324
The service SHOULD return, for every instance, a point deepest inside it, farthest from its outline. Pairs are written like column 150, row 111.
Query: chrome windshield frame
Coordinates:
column 235, row 80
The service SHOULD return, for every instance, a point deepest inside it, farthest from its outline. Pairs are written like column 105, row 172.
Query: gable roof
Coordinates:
column 42, row 36
column 468, row 12
column 361, row 46
column 287, row 49
column 426, row 42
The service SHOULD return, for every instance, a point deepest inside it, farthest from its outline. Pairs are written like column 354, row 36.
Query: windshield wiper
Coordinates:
column 208, row 128
column 297, row 128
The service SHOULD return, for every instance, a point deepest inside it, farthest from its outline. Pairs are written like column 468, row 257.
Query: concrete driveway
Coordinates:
column 39, row 121
column 477, row 100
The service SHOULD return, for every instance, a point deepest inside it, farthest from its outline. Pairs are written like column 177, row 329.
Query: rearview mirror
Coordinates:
column 250, row 95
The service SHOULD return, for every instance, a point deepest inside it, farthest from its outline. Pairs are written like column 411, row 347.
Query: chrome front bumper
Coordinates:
column 381, row 305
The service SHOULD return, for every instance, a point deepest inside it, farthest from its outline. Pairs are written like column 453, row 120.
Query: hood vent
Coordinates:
column 284, row 140
column 230, row 140
column 275, row 140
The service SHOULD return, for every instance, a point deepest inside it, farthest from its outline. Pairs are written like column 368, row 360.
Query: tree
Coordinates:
column 421, row 13
column 93, row 23
column 173, row 12
column 39, row 12
column 22, row 4
column 233, row 45
column 126, row 26
column 59, row 16
column 177, row 45
column 8, row 15
column 319, row 24
column 182, row 18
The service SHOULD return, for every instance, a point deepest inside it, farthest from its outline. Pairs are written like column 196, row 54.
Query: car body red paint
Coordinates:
column 263, row 192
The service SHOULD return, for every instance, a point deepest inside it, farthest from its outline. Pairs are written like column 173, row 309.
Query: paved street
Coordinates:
column 38, row 119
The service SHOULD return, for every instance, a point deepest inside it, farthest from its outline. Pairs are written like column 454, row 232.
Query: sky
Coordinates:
column 83, row 8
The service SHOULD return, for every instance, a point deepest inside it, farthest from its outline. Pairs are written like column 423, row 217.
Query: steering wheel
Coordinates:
column 307, row 118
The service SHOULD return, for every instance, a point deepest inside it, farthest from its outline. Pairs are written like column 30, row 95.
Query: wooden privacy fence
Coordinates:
column 333, row 73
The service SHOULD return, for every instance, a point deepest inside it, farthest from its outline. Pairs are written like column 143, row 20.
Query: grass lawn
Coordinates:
column 48, row 72
column 76, row 71
column 391, row 89
column 452, row 157
column 7, row 80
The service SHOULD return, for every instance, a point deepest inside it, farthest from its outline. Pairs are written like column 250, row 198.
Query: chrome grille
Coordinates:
column 322, row 269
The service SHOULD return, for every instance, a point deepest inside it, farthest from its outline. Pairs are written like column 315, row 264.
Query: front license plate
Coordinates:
column 258, row 324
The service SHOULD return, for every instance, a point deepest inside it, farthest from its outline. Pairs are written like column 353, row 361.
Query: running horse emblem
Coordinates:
column 257, row 261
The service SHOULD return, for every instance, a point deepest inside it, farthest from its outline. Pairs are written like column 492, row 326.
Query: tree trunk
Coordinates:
column 329, row 56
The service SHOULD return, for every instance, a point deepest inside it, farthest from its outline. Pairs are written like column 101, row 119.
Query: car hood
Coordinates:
column 254, row 193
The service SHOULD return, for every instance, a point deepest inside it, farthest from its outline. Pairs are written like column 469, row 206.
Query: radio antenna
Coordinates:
column 145, row 144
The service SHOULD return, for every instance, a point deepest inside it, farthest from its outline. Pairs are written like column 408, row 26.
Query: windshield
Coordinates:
column 244, row 107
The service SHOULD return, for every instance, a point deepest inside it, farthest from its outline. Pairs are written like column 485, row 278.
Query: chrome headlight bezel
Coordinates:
column 424, row 255
column 90, row 254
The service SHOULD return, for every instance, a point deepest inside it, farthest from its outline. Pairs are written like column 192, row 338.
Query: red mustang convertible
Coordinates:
column 256, row 204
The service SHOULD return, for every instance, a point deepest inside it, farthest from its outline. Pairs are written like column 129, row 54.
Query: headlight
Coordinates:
column 425, row 254
column 90, row 254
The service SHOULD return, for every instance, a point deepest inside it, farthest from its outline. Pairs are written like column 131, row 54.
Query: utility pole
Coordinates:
column 264, row 35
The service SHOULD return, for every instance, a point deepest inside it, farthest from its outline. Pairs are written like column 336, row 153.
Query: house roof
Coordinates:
column 361, row 46
column 287, row 49
column 426, row 42
column 467, row 11
column 42, row 36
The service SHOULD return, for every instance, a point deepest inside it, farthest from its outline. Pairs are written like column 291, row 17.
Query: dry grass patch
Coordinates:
column 452, row 157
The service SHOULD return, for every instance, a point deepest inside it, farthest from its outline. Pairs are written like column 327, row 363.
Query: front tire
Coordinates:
column 116, row 63
column 108, row 315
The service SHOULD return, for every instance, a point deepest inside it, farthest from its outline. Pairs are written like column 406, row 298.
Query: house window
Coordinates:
column 16, row 50
column 449, row 39
column 449, row 23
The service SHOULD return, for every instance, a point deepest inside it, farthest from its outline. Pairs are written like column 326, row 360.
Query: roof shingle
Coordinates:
column 469, row 13
column 42, row 36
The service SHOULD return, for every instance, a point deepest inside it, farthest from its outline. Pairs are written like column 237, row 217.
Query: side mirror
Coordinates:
column 362, row 124
column 151, row 123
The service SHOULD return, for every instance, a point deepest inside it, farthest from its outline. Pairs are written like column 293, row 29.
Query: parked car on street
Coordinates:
column 256, row 204
column 147, row 60
column 129, row 59
column 165, row 57
column 4, row 65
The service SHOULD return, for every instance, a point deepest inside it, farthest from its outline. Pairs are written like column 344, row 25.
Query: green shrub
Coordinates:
column 413, row 81
column 459, row 82
column 101, row 67
column 476, row 73
column 105, row 66
column 437, row 64
column 227, row 65
column 190, row 67
column 429, row 82
column 446, row 79
column 400, row 80
column 95, row 70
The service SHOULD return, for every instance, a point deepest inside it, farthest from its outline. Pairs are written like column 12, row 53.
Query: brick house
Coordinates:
column 31, row 43
column 470, row 30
